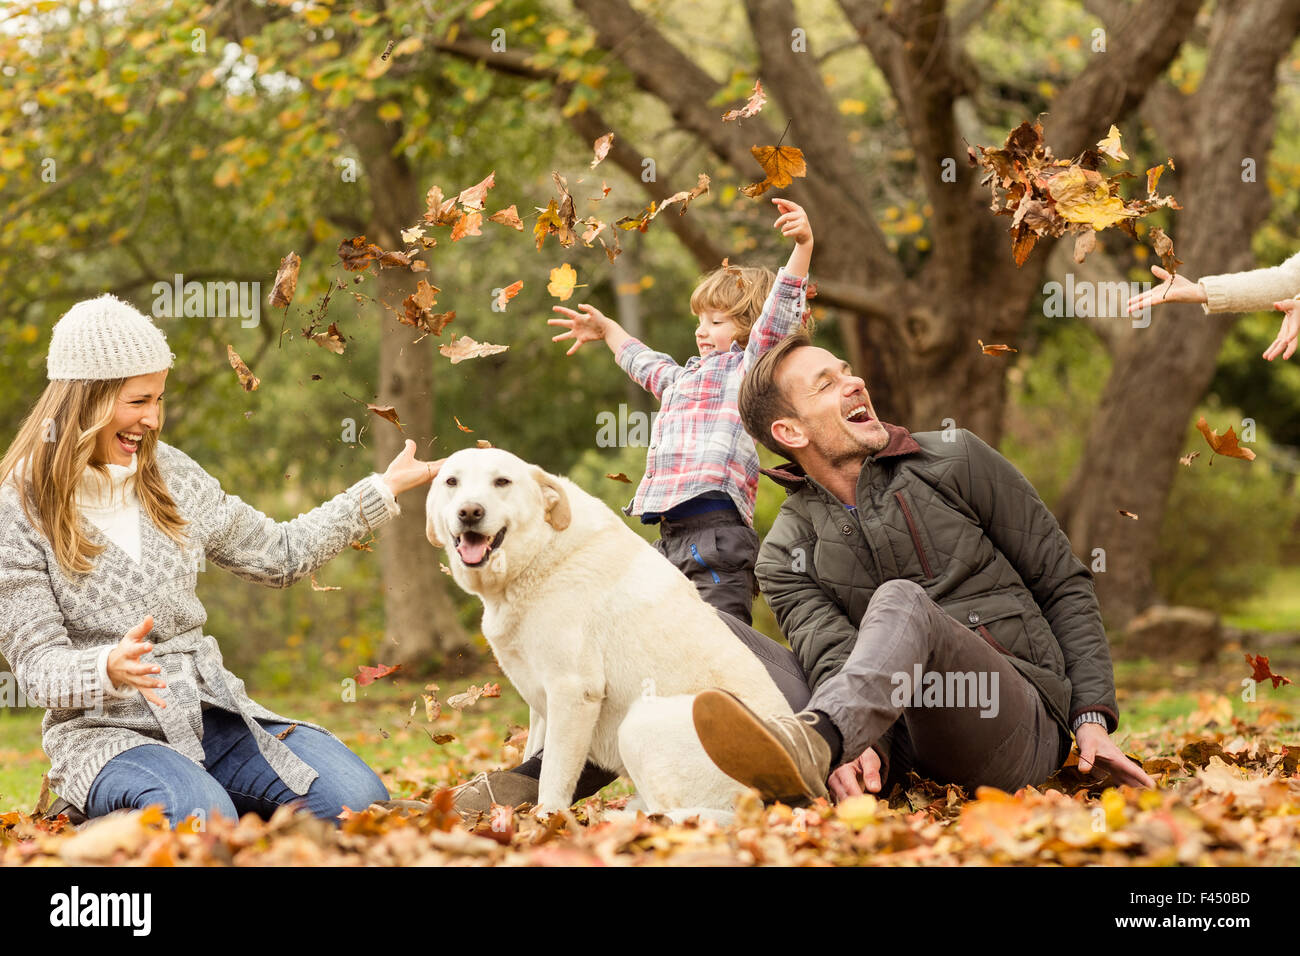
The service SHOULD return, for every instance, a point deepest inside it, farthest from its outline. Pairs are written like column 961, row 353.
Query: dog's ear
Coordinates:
column 430, row 520
column 558, row 514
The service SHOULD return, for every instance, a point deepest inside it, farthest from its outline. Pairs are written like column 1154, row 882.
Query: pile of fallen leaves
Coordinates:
column 1228, row 796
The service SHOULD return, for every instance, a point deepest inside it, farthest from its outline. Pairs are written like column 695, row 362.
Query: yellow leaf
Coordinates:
column 853, row 107
column 1082, row 196
column 563, row 279
column 390, row 112
column 316, row 16
column 1110, row 145
column 409, row 45
column 857, row 812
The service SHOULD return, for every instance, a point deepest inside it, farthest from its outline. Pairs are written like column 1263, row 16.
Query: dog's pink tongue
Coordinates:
column 473, row 547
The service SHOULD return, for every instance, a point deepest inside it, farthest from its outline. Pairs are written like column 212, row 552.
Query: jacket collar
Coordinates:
column 792, row 477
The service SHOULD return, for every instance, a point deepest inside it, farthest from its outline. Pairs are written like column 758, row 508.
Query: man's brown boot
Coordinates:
column 783, row 757
column 504, row 787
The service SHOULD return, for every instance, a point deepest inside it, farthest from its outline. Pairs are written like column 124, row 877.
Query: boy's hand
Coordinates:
column 586, row 326
column 793, row 222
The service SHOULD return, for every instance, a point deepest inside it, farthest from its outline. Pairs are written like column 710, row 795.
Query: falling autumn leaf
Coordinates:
column 1084, row 196
column 368, row 675
column 472, row 694
column 286, row 281
column 1128, row 514
column 440, row 211
column 460, row 426
column 686, row 195
column 1164, row 248
column 472, row 198
column 563, row 280
column 601, row 148
column 550, row 222
column 1084, row 243
column 1260, row 671
column 508, row 293
column 1153, row 177
column 995, row 349
column 467, row 225
column 387, row 412
column 756, row 101
column 356, row 254
column 1110, row 145
column 482, row 443
column 619, row 477
column 1225, row 444
column 331, row 339
column 1188, row 459
column 432, row 709
column 465, row 347
column 604, row 191
column 508, row 217
column 418, row 310
column 781, row 164
column 413, row 234
column 246, row 378
column 318, row 587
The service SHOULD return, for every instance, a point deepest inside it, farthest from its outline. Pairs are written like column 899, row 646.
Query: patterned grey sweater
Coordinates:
column 54, row 628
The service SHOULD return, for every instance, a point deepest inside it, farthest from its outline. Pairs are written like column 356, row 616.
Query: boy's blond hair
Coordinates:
column 736, row 291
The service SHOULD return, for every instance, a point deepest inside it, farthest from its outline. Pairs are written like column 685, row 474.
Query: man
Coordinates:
column 932, row 600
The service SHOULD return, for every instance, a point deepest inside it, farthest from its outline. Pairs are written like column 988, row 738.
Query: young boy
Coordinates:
column 701, row 474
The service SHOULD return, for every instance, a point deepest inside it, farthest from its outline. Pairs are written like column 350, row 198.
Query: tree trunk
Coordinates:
column 419, row 614
column 1161, row 372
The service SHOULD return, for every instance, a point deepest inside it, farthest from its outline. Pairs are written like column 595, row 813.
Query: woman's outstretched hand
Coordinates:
column 1285, row 343
column 407, row 471
column 126, row 669
column 1171, row 289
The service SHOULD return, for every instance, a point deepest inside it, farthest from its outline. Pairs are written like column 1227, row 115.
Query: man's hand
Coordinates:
column 851, row 779
column 1097, row 749
column 1285, row 342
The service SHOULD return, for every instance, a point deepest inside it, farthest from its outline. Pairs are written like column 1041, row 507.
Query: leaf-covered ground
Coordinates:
column 1229, row 795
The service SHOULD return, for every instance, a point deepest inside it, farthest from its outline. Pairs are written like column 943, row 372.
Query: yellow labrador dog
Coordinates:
column 605, row 640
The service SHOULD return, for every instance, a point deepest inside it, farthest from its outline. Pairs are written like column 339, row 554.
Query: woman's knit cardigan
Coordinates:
column 54, row 628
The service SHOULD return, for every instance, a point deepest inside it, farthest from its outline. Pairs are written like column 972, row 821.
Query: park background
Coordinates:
column 208, row 140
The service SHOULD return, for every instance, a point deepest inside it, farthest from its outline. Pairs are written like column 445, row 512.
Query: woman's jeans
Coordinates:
column 237, row 779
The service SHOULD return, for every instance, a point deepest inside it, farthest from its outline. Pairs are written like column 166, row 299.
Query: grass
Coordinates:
column 1277, row 608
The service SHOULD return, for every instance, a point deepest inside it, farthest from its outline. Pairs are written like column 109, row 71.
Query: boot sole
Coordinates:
column 744, row 749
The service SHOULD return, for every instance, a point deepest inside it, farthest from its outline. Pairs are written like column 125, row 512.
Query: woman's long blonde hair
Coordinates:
column 53, row 449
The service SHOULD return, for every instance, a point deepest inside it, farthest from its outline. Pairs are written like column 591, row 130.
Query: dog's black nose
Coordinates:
column 471, row 513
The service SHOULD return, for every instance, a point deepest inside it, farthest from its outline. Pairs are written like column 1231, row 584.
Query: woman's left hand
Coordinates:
column 1285, row 343
column 407, row 471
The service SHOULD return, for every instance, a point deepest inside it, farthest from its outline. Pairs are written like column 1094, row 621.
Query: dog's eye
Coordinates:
column 451, row 482
column 501, row 482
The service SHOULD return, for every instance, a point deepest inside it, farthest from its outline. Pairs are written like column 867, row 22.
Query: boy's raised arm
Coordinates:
column 783, row 311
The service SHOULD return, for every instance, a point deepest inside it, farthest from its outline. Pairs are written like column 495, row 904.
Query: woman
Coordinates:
column 1276, row 287
column 140, row 709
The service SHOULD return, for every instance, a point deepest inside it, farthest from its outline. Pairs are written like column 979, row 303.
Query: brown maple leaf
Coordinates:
column 1260, row 671
column 472, row 198
column 418, row 310
column 619, row 477
column 331, row 338
column 1164, row 248
column 508, row 217
column 467, row 225
column 356, row 255
column 286, row 281
column 1225, row 444
column 995, row 349
column 440, row 212
column 246, row 378
column 781, row 164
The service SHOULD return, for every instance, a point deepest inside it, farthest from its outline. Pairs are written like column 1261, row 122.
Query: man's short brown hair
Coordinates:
column 762, row 400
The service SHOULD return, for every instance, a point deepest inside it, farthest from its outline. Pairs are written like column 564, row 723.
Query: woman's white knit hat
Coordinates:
column 106, row 338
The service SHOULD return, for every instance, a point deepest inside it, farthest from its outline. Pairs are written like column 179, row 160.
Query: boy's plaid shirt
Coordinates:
column 698, row 444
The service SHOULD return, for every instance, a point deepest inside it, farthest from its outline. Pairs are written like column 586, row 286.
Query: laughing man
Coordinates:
column 899, row 560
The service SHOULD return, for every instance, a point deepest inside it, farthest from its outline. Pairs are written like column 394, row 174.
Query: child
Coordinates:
column 701, row 474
